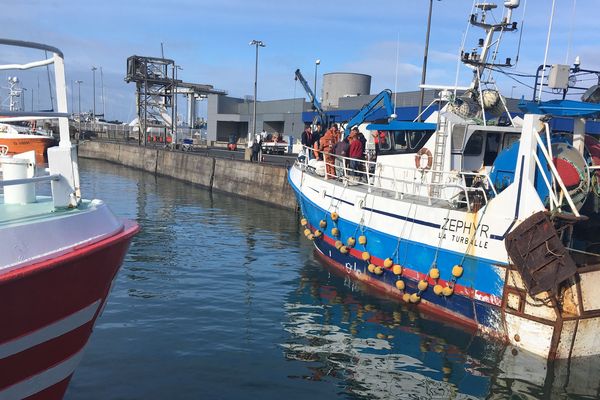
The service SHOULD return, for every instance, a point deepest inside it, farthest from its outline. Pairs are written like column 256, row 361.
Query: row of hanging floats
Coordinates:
column 388, row 263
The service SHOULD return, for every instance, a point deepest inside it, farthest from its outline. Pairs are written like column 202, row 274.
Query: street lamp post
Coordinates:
column 94, row 93
column 78, row 82
column 424, row 70
column 317, row 62
column 257, row 44
column 102, row 94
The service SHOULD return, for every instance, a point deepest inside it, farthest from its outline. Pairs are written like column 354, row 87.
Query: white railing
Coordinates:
column 62, row 159
column 401, row 181
column 555, row 194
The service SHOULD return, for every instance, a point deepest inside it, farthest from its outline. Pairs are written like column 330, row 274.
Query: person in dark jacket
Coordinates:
column 341, row 149
column 307, row 140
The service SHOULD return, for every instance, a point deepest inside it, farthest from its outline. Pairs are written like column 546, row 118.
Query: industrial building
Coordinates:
column 342, row 96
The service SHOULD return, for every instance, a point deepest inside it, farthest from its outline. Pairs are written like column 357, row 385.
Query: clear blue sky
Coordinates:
column 209, row 39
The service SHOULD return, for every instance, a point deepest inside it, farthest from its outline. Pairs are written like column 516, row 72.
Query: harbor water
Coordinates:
column 223, row 298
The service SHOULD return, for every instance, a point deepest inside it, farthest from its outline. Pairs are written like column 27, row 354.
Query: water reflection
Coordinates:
column 216, row 287
column 373, row 348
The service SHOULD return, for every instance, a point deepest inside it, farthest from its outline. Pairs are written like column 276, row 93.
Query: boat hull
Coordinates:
column 48, row 310
column 39, row 144
column 488, row 295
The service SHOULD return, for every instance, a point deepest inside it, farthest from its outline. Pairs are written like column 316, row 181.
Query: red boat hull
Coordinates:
column 48, row 311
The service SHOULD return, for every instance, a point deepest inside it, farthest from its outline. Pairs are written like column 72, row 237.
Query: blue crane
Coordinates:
column 316, row 105
column 367, row 109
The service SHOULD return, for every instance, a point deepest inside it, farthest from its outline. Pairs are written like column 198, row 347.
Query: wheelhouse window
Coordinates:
column 399, row 142
column 474, row 145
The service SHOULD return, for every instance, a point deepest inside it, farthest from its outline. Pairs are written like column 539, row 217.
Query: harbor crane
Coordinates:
column 323, row 118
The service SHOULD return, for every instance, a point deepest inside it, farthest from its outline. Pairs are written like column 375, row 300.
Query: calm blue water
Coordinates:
column 223, row 298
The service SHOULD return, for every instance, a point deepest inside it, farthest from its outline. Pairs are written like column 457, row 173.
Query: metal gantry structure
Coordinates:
column 157, row 87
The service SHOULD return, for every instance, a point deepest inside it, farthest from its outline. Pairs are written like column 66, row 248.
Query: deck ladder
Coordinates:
column 438, row 156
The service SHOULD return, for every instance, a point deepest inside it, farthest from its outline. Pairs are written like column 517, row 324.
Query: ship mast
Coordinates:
column 478, row 60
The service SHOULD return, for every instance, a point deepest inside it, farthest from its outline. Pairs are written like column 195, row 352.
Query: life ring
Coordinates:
column 419, row 163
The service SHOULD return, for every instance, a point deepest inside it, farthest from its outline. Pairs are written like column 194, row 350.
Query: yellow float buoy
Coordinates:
column 434, row 273
column 335, row 231
column 351, row 241
column 397, row 269
column 437, row 289
column 311, row 236
column 381, row 336
column 362, row 239
column 400, row 284
column 334, row 216
column 371, row 268
column 322, row 223
column 414, row 298
column 318, row 233
column 306, row 232
column 343, row 249
column 303, row 222
column 406, row 297
column 422, row 285
column 338, row 244
column 388, row 262
column 457, row 271
column 378, row 270
column 366, row 256
column 447, row 291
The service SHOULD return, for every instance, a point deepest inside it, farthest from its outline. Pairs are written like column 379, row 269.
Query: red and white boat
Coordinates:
column 59, row 257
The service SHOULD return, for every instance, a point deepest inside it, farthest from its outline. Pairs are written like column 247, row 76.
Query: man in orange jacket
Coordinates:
column 326, row 146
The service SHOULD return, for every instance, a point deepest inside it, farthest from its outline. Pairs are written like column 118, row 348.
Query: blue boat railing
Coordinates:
column 459, row 189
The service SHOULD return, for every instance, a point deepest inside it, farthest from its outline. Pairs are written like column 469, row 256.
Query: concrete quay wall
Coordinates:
column 262, row 182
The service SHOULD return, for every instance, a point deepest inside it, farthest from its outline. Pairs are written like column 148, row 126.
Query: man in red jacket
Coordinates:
column 356, row 152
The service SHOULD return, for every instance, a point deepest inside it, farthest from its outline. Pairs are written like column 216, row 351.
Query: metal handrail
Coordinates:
column 413, row 182
column 35, row 179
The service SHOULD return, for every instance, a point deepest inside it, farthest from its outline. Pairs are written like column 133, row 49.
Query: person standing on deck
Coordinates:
column 326, row 147
column 340, row 149
column 307, row 140
column 356, row 153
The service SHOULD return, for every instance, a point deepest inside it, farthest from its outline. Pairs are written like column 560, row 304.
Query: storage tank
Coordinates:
column 344, row 84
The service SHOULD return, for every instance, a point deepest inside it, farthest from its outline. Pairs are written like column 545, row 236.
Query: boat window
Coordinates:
column 458, row 137
column 418, row 139
column 400, row 142
column 383, row 139
column 509, row 139
column 474, row 145
column 492, row 147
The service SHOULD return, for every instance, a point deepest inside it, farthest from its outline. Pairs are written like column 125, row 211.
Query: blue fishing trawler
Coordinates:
column 475, row 214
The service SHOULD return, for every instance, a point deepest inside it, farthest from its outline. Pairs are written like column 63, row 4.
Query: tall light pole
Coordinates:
column 72, row 97
column 79, row 98
column 78, row 82
column 317, row 62
column 94, row 93
column 102, row 94
column 424, row 70
column 23, row 90
column 257, row 44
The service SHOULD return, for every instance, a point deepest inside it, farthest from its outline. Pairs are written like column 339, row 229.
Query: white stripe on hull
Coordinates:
column 49, row 332
column 43, row 380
